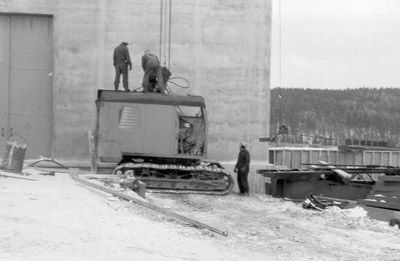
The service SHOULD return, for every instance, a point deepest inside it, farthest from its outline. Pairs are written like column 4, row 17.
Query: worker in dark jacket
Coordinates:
column 151, row 67
column 121, row 62
column 242, row 169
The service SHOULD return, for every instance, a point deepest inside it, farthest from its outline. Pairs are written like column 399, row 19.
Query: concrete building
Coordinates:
column 55, row 54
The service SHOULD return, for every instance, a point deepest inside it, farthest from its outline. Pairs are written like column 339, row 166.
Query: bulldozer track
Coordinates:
column 179, row 179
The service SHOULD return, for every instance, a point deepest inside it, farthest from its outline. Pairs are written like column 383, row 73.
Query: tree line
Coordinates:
column 329, row 117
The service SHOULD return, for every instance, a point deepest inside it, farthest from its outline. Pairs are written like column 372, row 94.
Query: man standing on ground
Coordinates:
column 242, row 169
column 121, row 62
column 151, row 67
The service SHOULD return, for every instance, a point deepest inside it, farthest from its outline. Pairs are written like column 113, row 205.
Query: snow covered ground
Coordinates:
column 55, row 218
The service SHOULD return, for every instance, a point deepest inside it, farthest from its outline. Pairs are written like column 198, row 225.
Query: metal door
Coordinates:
column 29, row 110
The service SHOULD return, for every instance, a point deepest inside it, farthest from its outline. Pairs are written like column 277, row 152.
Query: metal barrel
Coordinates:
column 18, row 158
column 14, row 156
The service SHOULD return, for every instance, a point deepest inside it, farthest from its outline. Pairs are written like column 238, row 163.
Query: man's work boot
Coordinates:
column 116, row 88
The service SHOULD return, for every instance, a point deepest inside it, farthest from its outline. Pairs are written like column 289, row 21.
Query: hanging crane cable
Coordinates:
column 165, row 32
column 161, row 26
column 280, row 65
column 165, row 43
column 169, row 34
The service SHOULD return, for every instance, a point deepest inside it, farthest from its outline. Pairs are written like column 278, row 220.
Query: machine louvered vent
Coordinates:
column 129, row 119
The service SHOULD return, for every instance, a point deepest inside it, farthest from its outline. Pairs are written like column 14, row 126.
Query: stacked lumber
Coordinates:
column 384, row 199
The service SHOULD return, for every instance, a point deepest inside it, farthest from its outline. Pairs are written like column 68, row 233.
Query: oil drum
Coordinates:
column 14, row 155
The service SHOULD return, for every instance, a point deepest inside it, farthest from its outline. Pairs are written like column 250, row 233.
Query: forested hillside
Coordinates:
column 328, row 117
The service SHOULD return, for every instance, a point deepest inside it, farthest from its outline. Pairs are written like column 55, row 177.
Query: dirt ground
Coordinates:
column 55, row 218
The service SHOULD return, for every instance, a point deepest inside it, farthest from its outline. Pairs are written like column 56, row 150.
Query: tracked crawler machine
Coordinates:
column 160, row 139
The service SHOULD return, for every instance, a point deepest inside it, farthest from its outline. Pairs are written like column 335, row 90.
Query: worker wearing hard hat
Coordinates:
column 121, row 62
column 242, row 169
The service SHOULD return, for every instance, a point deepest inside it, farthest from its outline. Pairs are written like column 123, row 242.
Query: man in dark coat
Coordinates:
column 242, row 169
column 151, row 67
column 121, row 62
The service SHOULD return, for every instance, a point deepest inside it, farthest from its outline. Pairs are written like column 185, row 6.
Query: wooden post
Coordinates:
column 92, row 152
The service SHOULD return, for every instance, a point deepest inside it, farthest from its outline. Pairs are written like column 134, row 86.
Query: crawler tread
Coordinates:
column 179, row 179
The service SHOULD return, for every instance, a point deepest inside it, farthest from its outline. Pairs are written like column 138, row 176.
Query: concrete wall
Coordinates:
column 221, row 47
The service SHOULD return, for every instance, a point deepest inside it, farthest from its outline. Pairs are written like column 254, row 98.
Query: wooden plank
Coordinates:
column 291, row 175
column 337, row 199
column 114, row 178
column 379, row 204
column 74, row 176
column 15, row 177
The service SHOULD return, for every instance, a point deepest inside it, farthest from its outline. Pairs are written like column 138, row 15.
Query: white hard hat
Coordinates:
column 243, row 144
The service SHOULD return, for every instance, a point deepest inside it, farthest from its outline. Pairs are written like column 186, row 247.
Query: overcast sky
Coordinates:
column 335, row 44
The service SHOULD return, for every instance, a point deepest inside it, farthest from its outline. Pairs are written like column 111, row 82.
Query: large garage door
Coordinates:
column 26, row 93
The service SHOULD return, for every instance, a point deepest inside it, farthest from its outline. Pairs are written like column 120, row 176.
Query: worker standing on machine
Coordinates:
column 152, row 69
column 121, row 62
